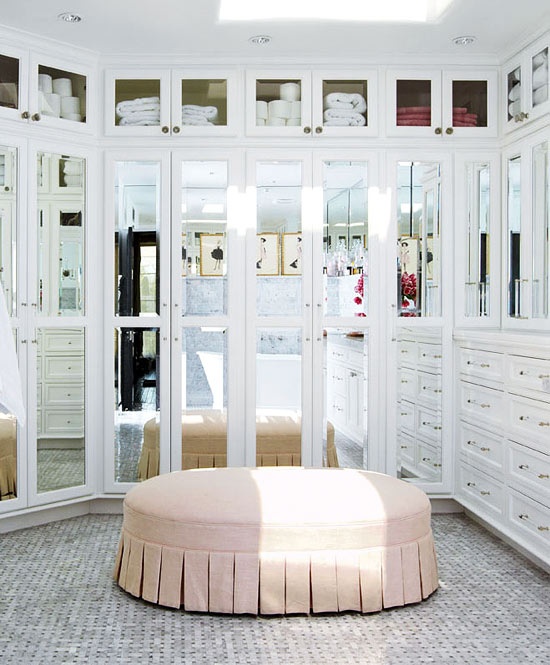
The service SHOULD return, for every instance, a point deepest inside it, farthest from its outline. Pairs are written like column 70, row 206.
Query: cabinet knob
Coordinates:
column 176, row 130
column 25, row 115
column 36, row 117
column 449, row 130
column 438, row 130
column 165, row 129
column 307, row 130
column 318, row 130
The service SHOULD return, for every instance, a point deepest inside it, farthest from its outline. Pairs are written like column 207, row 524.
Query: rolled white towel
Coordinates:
column 344, row 100
column 540, row 76
column 279, row 108
column 540, row 58
column 294, row 122
column 209, row 112
column 261, row 110
column 540, row 95
column 290, row 92
column 260, row 122
column 276, row 122
column 51, row 104
column 515, row 92
column 295, row 109
column 138, row 104
column 63, row 87
column 352, row 117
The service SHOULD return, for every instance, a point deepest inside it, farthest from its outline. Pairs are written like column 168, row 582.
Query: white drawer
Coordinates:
column 64, row 423
column 337, row 375
column 407, row 449
column 336, row 353
column 65, row 340
column 482, row 448
column 484, row 405
column 407, row 383
column 63, row 368
column 529, row 374
column 429, row 460
column 406, row 352
column 59, row 394
column 484, row 365
column 531, row 518
column 428, row 423
column 429, row 355
column 529, row 468
column 356, row 359
column 338, row 406
column 429, row 389
column 482, row 490
column 405, row 412
column 530, row 421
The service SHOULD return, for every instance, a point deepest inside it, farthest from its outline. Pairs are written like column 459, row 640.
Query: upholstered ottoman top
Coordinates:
column 271, row 532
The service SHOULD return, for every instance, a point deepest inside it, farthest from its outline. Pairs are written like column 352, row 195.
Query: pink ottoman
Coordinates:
column 277, row 540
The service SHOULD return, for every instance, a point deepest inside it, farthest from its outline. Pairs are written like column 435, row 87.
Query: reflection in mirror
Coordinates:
column 345, row 236
column 279, row 238
column 137, row 402
column 60, row 412
column 346, row 381
column 419, row 405
column 8, row 457
column 203, row 238
column 514, row 237
column 61, row 220
column 477, row 277
column 137, row 238
column 419, row 239
column 8, row 219
column 541, row 232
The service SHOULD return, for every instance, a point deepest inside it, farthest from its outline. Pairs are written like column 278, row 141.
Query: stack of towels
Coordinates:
column 140, row 111
column 514, row 93
column 341, row 109
column 56, row 98
column 285, row 111
column 540, row 78
column 461, row 117
column 191, row 114
column 72, row 172
column 414, row 116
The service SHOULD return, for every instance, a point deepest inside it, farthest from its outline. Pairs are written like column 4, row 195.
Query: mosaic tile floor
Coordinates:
column 59, row 605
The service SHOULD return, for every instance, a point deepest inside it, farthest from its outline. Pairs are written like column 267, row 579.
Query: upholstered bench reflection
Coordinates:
column 277, row 540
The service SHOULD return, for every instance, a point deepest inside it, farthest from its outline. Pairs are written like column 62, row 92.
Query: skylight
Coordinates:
column 402, row 11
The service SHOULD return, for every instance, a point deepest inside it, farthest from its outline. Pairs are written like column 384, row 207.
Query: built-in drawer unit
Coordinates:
column 479, row 488
column 481, row 448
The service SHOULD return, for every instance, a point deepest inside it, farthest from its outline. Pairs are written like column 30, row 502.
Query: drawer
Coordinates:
column 64, row 368
column 529, row 374
column 64, row 423
column 429, row 460
column 356, row 359
column 59, row 394
column 530, row 518
column 428, row 423
column 407, row 449
column 407, row 383
column 477, row 487
column 429, row 355
column 484, row 405
column 63, row 340
column 530, row 421
column 530, row 469
column 482, row 448
column 337, row 376
column 429, row 389
column 484, row 365
column 338, row 406
column 406, row 353
column 337, row 353
column 405, row 412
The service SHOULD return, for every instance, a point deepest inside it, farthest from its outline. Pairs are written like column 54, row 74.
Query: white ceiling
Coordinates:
column 191, row 27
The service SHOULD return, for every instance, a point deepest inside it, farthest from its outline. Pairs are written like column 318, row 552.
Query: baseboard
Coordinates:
column 442, row 506
column 43, row 515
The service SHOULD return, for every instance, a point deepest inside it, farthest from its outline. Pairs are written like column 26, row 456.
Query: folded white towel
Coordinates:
column 139, row 119
column 540, row 95
column 540, row 58
column 195, row 120
column 515, row 92
column 73, row 180
column 540, row 76
column 72, row 167
column 344, row 100
column 139, row 104
column 209, row 112
column 11, row 395
column 352, row 118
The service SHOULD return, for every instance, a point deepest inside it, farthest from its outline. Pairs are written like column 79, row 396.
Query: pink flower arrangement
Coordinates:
column 359, row 289
column 408, row 294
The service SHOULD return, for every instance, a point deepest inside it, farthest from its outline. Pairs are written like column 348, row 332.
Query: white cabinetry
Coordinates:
column 329, row 103
column 503, row 427
column 442, row 103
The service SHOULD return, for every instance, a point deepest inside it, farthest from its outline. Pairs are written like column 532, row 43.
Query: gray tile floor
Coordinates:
column 58, row 604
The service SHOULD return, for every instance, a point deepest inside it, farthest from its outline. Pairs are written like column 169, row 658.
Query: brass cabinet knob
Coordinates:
column 36, row 117
column 318, row 130
column 307, row 130
column 176, row 130
column 165, row 129
column 438, row 130
column 25, row 115
column 449, row 130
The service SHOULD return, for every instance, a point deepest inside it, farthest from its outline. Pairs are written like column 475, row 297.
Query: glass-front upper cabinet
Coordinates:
column 13, row 83
column 525, row 85
column 339, row 103
column 419, row 239
column 427, row 103
column 182, row 102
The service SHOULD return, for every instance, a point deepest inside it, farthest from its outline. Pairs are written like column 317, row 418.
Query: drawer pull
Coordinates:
column 435, row 356
column 485, row 450
column 543, row 476
column 403, row 414
column 523, row 517
column 404, row 381
column 471, row 484
column 426, row 459
column 473, row 362
column 543, row 528
column 524, row 417
column 403, row 351
column 480, row 404
column 543, row 424
column 544, row 376
column 485, row 493
column 523, row 466
column 404, row 447
column 471, row 442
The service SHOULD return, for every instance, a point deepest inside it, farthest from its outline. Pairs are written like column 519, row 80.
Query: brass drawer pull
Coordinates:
column 543, row 528
column 544, row 376
column 480, row 404
column 543, row 476
column 473, row 362
column 485, row 450
column 543, row 424
column 485, row 493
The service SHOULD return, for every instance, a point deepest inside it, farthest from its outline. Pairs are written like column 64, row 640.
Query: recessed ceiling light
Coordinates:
column 261, row 40
column 464, row 40
column 69, row 17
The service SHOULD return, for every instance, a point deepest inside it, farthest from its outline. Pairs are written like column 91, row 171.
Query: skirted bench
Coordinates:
column 8, row 457
column 277, row 541
column 204, row 441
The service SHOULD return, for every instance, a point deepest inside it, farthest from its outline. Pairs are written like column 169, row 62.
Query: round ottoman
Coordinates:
column 277, row 540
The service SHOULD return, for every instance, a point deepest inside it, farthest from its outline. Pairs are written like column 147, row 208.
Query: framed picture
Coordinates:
column 267, row 254
column 292, row 253
column 212, row 254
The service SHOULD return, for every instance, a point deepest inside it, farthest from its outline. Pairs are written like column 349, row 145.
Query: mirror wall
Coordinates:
column 60, row 349
column 477, row 291
column 541, row 233
column 514, row 236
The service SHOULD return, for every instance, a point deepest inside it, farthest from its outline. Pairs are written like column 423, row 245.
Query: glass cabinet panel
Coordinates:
column 514, row 87
column 278, row 102
column 203, row 238
column 514, row 237
column 9, row 82
column 137, row 238
column 137, row 102
column 62, row 94
column 413, row 102
column 539, row 78
column 204, row 102
column 478, row 241
column 61, row 234
column 8, row 225
column 61, row 408
column 469, row 100
column 419, row 239
column 541, row 232
column 345, row 233
column 345, row 103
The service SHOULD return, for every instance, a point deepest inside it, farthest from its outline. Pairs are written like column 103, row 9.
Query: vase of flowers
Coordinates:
column 408, row 294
